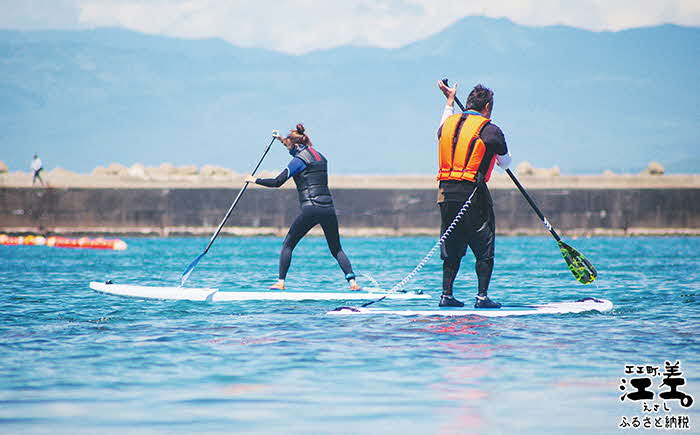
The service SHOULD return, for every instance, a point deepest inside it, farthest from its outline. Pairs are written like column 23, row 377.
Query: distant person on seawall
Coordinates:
column 37, row 167
column 309, row 169
column 468, row 146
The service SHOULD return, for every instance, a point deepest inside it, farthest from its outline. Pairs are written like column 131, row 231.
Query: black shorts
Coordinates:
column 476, row 229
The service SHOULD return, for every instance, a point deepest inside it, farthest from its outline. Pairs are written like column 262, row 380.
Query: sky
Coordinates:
column 301, row 26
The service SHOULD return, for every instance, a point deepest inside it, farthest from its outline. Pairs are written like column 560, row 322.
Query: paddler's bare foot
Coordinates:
column 354, row 286
column 279, row 285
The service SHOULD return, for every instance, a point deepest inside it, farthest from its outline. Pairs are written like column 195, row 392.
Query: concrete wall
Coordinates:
column 197, row 211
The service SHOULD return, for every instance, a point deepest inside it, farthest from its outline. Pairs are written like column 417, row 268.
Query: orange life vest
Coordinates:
column 460, row 159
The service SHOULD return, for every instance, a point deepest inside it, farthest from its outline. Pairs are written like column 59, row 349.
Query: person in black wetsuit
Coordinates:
column 469, row 146
column 309, row 169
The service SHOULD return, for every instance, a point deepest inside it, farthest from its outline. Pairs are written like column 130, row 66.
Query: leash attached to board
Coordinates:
column 430, row 253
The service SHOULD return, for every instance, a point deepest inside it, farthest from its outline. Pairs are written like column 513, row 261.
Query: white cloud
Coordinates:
column 38, row 14
column 288, row 25
column 299, row 26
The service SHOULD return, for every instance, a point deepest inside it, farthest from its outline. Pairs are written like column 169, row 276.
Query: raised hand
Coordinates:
column 449, row 92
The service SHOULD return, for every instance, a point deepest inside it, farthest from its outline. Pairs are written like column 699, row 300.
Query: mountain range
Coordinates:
column 584, row 101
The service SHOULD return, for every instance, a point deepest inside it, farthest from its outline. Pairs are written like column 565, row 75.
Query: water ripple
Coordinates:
column 72, row 360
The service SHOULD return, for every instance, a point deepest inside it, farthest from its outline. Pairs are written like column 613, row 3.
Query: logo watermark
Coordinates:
column 661, row 395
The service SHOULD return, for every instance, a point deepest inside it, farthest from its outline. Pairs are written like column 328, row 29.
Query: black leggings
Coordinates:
column 311, row 216
column 37, row 174
column 476, row 230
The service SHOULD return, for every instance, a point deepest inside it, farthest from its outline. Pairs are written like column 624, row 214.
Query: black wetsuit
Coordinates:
column 477, row 228
column 310, row 171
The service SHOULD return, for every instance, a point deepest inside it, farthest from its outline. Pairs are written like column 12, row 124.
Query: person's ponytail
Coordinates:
column 298, row 135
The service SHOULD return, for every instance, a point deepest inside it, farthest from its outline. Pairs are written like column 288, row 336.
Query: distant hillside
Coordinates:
column 585, row 101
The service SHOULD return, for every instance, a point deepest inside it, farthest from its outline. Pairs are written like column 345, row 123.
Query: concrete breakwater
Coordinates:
column 162, row 211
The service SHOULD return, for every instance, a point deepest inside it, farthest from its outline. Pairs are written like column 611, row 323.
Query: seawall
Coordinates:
column 398, row 207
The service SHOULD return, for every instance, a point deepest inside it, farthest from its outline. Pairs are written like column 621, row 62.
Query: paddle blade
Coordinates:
column 186, row 274
column 583, row 270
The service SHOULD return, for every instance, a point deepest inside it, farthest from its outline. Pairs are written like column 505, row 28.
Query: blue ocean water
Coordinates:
column 75, row 361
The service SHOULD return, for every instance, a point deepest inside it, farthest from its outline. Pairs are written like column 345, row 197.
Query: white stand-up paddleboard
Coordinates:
column 583, row 305
column 212, row 294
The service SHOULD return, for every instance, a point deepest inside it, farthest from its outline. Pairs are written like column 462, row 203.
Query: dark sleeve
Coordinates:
column 494, row 139
column 295, row 166
column 274, row 182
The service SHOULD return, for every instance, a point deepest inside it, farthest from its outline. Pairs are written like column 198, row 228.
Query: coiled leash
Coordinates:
column 401, row 284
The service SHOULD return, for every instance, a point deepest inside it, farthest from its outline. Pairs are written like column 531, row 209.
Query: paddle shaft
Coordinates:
column 235, row 201
column 533, row 205
column 520, row 186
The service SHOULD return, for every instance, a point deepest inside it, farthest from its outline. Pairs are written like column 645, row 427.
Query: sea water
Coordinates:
column 73, row 361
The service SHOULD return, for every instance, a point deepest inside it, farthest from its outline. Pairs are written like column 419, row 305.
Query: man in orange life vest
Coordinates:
column 469, row 146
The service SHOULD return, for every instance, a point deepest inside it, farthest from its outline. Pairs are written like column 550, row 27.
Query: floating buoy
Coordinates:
column 9, row 240
column 35, row 240
column 84, row 242
column 64, row 242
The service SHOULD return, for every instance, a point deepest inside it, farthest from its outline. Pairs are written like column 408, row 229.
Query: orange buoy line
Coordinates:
column 64, row 242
